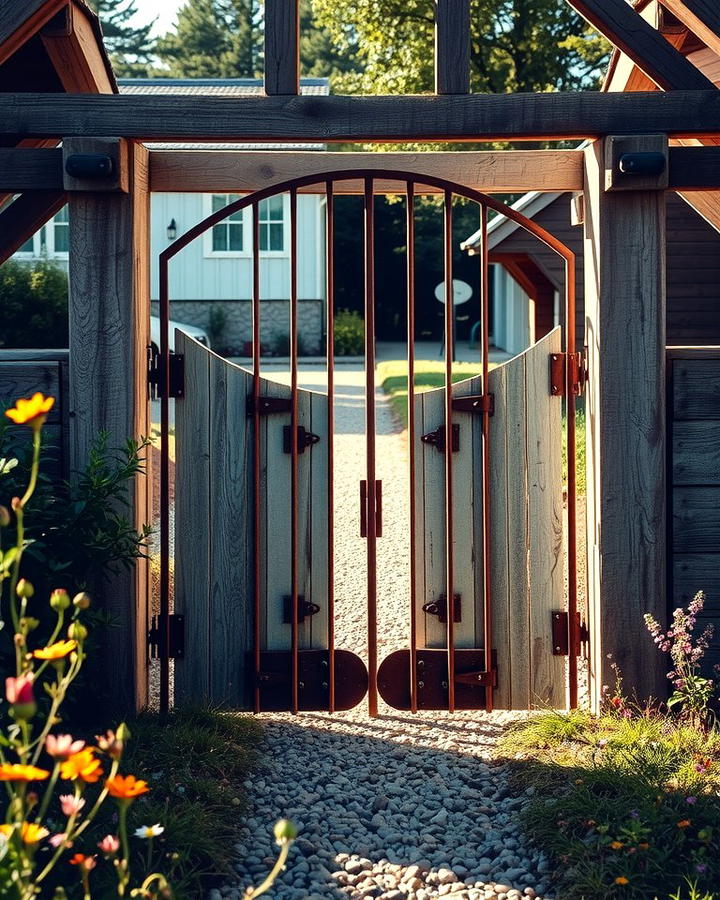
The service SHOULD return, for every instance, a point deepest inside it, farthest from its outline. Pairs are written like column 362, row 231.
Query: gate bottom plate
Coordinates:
column 351, row 680
column 432, row 679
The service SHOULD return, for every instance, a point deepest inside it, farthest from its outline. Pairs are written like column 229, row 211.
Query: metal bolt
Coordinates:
column 444, row 684
column 301, row 685
column 421, row 684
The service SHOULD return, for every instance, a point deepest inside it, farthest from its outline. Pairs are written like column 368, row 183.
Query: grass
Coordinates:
column 611, row 803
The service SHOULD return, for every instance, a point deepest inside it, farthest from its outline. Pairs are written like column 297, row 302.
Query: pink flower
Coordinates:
column 70, row 804
column 691, row 800
column 20, row 690
column 58, row 839
column 61, row 746
column 109, row 844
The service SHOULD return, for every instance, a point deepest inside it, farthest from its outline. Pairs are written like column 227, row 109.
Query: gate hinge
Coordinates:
column 477, row 403
column 561, row 633
column 437, row 438
column 268, row 405
column 305, row 609
column 481, row 677
column 156, row 374
column 578, row 373
column 304, row 439
column 439, row 608
column 157, row 642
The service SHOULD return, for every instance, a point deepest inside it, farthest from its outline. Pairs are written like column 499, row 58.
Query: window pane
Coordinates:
column 235, row 236
column 276, row 237
column 27, row 247
column 218, row 201
column 62, row 216
column 219, row 237
column 62, row 245
column 272, row 209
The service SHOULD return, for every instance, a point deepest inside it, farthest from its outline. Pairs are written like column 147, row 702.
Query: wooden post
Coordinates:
column 625, row 334
column 452, row 47
column 109, row 333
column 282, row 47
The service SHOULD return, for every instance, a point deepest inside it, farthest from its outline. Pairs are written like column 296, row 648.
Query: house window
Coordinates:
column 61, row 233
column 28, row 248
column 272, row 226
column 227, row 236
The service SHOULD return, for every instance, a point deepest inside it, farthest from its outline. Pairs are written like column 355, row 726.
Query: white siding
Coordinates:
column 513, row 314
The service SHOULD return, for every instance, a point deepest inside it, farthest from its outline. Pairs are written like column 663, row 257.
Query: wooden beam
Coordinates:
column 77, row 55
column 109, row 311
column 452, row 47
column 472, row 117
column 21, row 19
column 282, row 47
column 24, row 216
column 695, row 169
column 220, row 171
column 625, row 312
column 30, row 170
column 630, row 33
column 702, row 17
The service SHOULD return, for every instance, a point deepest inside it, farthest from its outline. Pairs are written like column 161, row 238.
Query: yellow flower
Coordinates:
column 32, row 412
column 55, row 651
column 29, row 832
column 82, row 765
column 19, row 772
column 126, row 787
column 621, row 879
column 617, row 845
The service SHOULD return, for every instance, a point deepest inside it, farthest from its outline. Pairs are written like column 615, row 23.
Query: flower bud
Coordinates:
column 28, row 624
column 81, row 600
column 16, row 503
column 284, row 831
column 19, row 693
column 25, row 589
column 59, row 599
column 77, row 631
column 4, row 517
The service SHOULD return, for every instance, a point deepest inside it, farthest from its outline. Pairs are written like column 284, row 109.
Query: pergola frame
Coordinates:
column 624, row 253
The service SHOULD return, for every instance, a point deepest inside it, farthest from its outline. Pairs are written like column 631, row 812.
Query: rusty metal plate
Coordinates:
column 431, row 677
column 351, row 680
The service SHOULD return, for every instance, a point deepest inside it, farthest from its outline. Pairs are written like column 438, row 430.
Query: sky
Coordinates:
column 163, row 10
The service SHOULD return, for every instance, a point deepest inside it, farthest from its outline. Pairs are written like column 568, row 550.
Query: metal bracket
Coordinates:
column 156, row 374
column 157, row 638
column 439, row 608
column 486, row 679
column 477, row 403
column 305, row 609
column 437, row 438
column 304, row 439
column 561, row 633
column 579, row 373
column 268, row 405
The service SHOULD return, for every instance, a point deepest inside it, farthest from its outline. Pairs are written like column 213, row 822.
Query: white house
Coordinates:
column 211, row 279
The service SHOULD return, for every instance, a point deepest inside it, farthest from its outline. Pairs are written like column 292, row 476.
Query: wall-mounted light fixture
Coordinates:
column 172, row 230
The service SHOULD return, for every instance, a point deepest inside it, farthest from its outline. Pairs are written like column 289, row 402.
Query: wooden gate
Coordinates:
column 254, row 515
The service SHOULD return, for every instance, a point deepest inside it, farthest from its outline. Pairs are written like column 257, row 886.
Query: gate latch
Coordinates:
column 439, row 608
column 561, row 633
column 305, row 609
column 157, row 643
column 304, row 439
column 437, row 438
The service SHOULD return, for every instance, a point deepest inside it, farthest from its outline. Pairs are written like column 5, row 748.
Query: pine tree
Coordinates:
column 131, row 47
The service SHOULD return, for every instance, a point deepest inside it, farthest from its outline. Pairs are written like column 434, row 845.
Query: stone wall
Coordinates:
column 274, row 324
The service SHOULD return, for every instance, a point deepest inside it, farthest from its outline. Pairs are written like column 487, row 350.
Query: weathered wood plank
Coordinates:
column 695, row 169
column 696, row 389
column 696, row 519
column 282, row 47
column 193, row 522
column 20, row 21
column 702, row 17
column 472, row 117
column 638, row 40
column 545, row 518
column 696, row 453
column 693, row 572
column 318, row 504
column 22, row 379
column 239, row 171
column 30, row 169
column 304, row 519
column 452, row 46
column 77, row 53
column 24, row 216
column 431, row 471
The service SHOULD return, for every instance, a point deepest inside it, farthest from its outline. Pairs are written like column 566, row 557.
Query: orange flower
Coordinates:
column 32, row 412
column 82, row 765
column 55, row 651
column 621, row 879
column 684, row 823
column 19, row 772
column 86, row 862
column 644, row 845
column 617, row 845
column 126, row 787
column 29, row 832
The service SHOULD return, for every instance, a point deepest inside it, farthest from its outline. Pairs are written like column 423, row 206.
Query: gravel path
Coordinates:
column 399, row 806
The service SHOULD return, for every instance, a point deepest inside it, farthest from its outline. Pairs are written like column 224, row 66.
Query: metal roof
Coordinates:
column 231, row 87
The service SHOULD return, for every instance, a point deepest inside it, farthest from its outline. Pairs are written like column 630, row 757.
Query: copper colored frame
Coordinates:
column 407, row 183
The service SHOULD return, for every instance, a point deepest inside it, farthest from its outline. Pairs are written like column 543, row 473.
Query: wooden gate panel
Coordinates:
column 318, row 532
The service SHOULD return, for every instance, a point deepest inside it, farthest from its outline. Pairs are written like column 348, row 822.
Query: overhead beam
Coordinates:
column 24, row 216
column 702, row 17
column 695, row 169
column 452, row 46
column 30, row 170
column 473, row 117
column 282, row 47
column 77, row 55
column 630, row 33
column 20, row 20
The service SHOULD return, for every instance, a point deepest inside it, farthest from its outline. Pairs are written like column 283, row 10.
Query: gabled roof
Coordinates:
column 501, row 227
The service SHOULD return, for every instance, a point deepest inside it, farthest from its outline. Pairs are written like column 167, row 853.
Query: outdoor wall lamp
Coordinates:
column 172, row 230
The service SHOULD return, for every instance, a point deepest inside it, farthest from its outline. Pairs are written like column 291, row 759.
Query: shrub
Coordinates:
column 216, row 325
column 34, row 301
column 349, row 333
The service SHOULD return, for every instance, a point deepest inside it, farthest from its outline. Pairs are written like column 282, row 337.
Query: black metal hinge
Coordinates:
column 156, row 374
column 476, row 403
column 305, row 609
column 268, row 405
column 436, row 438
column 157, row 638
column 578, row 373
column 304, row 439
column 561, row 633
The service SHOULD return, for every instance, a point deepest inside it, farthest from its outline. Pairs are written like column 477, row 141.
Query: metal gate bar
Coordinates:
column 330, row 329
column 257, row 516
column 485, row 320
column 164, row 623
column 410, row 257
column 571, row 381
column 449, row 354
column 294, row 494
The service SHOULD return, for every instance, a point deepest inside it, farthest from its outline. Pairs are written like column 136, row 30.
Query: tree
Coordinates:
column 131, row 47
column 516, row 45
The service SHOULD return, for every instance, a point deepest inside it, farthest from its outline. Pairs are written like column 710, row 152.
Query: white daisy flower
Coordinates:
column 149, row 831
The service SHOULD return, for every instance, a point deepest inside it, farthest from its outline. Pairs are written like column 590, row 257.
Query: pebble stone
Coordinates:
column 401, row 807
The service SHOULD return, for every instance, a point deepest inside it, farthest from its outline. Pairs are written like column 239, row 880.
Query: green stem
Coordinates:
column 48, row 793
column 270, row 880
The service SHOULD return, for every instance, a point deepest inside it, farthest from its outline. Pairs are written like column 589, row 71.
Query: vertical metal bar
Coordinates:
column 485, row 319
column 294, row 448
column 164, row 623
column 449, row 353
column 410, row 257
column 370, row 445
column 570, row 380
column 257, row 521
column 330, row 301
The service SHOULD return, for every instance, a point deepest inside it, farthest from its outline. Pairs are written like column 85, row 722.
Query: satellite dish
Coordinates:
column 462, row 292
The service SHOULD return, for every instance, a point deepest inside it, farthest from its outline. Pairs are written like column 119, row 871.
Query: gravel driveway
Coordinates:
column 401, row 805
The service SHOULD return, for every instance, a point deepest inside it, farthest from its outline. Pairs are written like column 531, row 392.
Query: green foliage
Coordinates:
column 34, row 301
column 131, row 47
column 392, row 376
column 216, row 325
column 349, row 333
